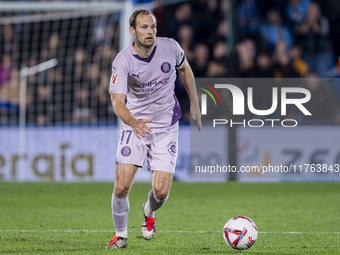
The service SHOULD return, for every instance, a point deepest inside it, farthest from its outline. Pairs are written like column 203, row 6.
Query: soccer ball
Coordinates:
column 240, row 232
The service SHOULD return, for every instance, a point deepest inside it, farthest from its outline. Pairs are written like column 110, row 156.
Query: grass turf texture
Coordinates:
column 75, row 218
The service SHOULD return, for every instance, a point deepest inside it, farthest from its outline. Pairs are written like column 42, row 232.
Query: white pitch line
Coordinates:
column 162, row 231
column 53, row 230
column 301, row 233
column 261, row 232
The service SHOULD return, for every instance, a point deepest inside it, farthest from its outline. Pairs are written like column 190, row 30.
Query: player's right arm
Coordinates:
column 118, row 90
column 138, row 126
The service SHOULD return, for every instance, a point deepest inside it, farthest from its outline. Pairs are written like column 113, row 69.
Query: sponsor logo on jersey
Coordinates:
column 153, row 85
column 136, row 75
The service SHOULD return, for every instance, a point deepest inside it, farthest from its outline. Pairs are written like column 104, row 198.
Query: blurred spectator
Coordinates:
column 8, row 41
column 60, row 97
column 333, row 10
column 91, row 83
column 47, row 106
column 82, row 111
column 104, row 108
column 220, row 34
column 103, row 29
column 11, row 88
column 44, row 111
column 283, row 67
column 183, row 15
column 159, row 13
column 209, row 16
column 185, row 39
column 55, row 48
column 297, row 62
column 76, row 66
column 86, row 96
column 141, row 1
column 10, row 98
column 220, row 50
column 79, row 62
column 103, row 56
column 273, row 31
column 248, row 17
column 216, row 69
column 313, row 36
column 322, row 107
column 93, row 76
column 5, row 68
column 201, row 60
column 263, row 67
column 32, row 80
column 265, row 5
column 296, row 12
column 241, row 60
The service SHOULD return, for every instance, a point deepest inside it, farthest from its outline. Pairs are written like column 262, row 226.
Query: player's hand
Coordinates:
column 196, row 115
column 140, row 128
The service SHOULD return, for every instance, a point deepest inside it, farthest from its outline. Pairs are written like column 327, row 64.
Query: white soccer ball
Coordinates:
column 240, row 232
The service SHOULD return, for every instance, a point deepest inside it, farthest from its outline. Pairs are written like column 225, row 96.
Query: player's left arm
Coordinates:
column 190, row 86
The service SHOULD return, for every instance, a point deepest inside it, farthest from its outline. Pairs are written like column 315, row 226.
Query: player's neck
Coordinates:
column 143, row 52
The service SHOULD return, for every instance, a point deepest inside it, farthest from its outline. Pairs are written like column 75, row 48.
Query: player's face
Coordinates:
column 145, row 31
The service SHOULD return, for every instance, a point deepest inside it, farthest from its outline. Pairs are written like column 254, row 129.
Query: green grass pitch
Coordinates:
column 75, row 218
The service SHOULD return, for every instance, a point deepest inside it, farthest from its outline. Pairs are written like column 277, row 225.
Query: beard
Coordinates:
column 141, row 43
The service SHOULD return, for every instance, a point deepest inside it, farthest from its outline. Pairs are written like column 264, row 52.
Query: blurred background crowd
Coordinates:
column 221, row 38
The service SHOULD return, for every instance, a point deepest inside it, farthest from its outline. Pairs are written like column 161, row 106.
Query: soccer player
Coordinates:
column 142, row 93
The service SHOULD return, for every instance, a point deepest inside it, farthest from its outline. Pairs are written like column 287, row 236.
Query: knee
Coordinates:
column 160, row 193
column 121, row 190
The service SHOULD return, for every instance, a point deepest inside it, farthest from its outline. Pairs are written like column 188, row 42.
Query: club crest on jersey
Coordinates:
column 172, row 148
column 126, row 151
column 114, row 78
column 165, row 67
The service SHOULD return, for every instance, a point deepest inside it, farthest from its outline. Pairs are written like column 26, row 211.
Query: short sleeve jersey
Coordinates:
column 149, row 83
